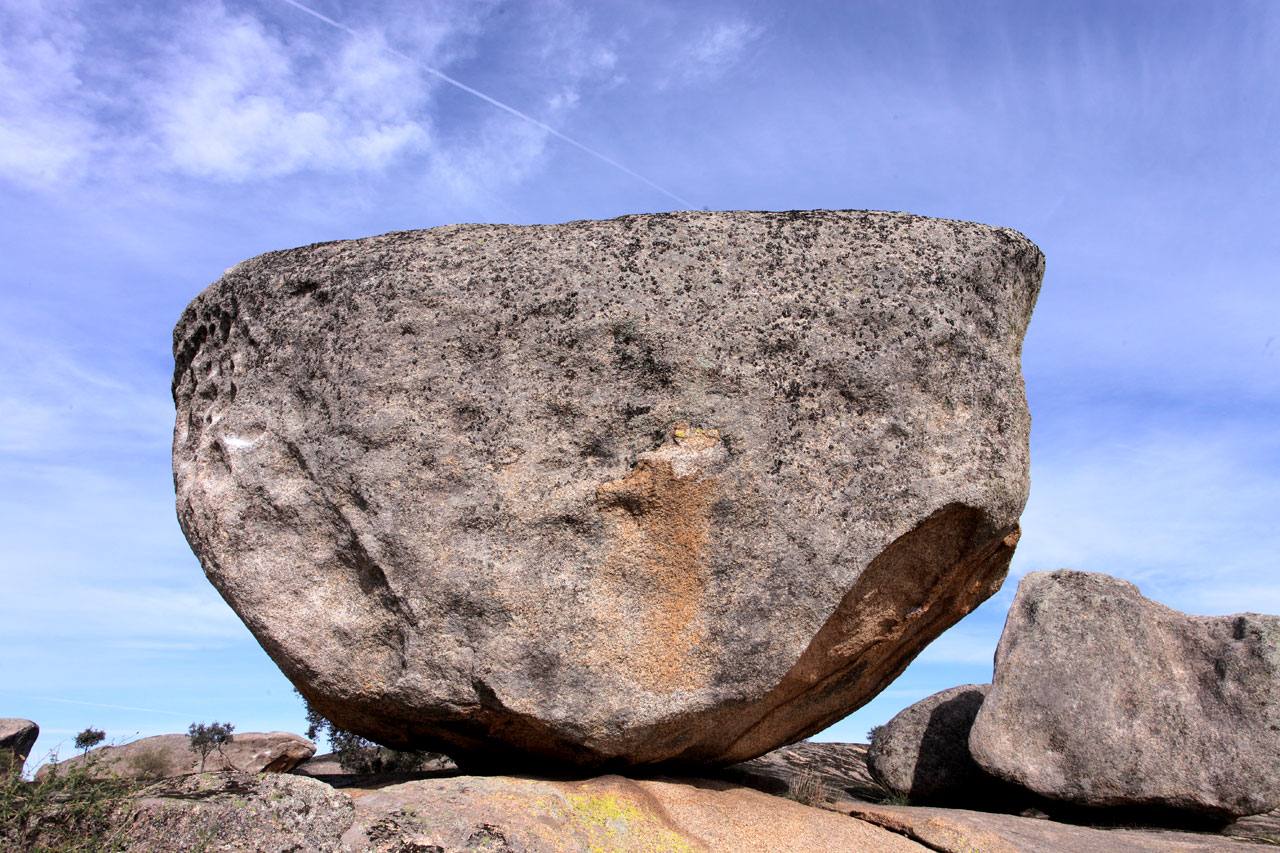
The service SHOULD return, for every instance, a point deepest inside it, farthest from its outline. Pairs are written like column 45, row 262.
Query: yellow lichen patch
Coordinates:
column 695, row 438
column 614, row 824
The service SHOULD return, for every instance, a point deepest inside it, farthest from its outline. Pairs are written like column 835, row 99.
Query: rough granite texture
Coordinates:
column 923, row 752
column 607, row 813
column 161, row 756
column 816, row 773
column 1103, row 698
column 17, row 736
column 963, row 831
column 679, row 487
column 232, row 811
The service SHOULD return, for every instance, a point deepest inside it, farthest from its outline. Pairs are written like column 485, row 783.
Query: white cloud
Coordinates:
column 237, row 95
column 718, row 48
column 46, row 133
column 239, row 103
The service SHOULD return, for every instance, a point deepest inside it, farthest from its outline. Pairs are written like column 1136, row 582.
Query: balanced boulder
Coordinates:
column 17, row 736
column 923, row 752
column 163, row 756
column 667, row 488
column 1103, row 698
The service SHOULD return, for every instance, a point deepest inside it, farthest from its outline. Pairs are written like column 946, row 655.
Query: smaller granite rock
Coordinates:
column 923, row 752
column 327, row 768
column 17, row 736
column 963, row 831
column 1105, row 699
column 268, row 813
column 1263, row 827
column 817, row 774
column 163, row 756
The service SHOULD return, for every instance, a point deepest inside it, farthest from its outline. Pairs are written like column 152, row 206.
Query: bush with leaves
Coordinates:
column 68, row 808
column 89, row 738
column 208, row 738
column 356, row 754
column 149, row 763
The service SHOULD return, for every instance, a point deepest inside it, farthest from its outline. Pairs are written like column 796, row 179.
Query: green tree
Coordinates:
column 89, row 738
column 356, row 754
column 208, row 738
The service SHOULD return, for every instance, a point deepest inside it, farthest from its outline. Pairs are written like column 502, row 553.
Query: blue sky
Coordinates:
column 144, row 148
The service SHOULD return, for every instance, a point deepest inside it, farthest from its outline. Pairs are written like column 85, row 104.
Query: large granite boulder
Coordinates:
column 923, row 752
column 680, row 487
column 162, row 756
column 17, row 736
column 1103, row 698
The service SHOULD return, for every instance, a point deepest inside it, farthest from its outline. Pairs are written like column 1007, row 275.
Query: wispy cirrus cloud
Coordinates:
column 232, row 94
column 47, row 132
column 239, row 102
column 718, row 47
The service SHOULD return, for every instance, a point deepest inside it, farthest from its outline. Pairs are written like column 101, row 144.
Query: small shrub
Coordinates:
column 89, row 738
column 69, row 808
column 149, row 764
column 808, row 788
column 209, row 738
column 356, row 754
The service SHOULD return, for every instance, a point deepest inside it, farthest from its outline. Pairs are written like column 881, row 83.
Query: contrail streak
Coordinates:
column 99, row 705
column 495, row 102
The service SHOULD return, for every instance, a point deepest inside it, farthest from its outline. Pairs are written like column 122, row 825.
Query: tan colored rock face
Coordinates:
column 962, row 831
column 679, row 487
column 605, row 813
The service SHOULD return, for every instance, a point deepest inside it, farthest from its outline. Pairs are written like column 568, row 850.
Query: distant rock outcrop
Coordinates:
column 811, row 772
column 923, row 752
column 669, row 488
column 1103, row 698
column 163, row 756
column 17, row 736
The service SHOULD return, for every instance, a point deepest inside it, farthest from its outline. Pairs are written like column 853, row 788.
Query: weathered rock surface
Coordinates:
column 265, row 813
column 814, row 773
column 1263, row 827
column 682, row 487
column 923, row 752
column 963, row 831
column 327, row 768
column 274, row 813
column 1103, row 698
column 606, row 813
column 17, row 736
column 162, row 756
